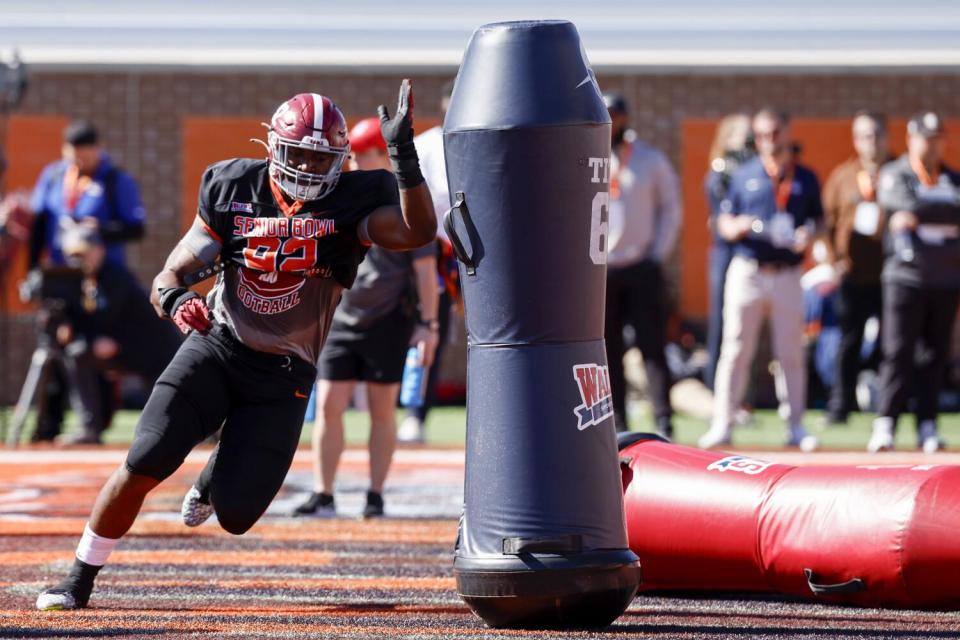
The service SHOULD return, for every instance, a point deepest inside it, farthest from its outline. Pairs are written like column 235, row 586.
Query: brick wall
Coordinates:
column 140, row 113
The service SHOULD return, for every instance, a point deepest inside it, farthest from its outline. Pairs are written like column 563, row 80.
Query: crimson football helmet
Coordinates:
column 307, row 144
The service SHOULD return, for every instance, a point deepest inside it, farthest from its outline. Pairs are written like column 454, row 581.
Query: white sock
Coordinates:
column 93, row 549
column 883, row 424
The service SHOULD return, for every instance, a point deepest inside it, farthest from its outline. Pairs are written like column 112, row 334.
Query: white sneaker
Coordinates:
column 56, row 601
column 410, row 431
column 933, row 445
column 743, row 418
column 716, row 436
column 801, row 438
column 193, row 511
column 930, row 441
column 882, row 437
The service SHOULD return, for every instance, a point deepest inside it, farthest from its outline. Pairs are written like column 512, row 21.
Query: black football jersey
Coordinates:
column 285, row 273
column 237, row 204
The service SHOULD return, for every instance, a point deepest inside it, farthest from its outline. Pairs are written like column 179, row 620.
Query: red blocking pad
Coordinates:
column 871, row 535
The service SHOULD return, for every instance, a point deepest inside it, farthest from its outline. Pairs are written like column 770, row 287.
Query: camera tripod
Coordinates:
column 46, row 357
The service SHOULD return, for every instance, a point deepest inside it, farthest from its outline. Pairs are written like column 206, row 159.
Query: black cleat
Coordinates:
column 318, row 505
column 374, row 508
column 73, row 592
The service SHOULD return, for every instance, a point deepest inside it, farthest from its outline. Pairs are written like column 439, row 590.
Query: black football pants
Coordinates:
column 259, row 398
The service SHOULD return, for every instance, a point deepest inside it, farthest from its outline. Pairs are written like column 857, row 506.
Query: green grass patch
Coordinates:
column 446, row 427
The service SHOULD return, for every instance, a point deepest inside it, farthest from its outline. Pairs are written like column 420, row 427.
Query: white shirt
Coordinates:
column 434, row 168
column 645, row 219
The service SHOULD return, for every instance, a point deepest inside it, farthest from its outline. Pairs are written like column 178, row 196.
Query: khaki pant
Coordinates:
column 753, row 293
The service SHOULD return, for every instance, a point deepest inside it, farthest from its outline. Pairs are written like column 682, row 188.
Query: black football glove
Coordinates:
column 398, row 133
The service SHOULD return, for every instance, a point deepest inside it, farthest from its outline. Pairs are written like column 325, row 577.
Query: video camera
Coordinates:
column 52, row 285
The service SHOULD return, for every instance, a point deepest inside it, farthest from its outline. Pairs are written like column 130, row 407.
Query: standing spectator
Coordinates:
column 645, row 217
column 375, row 323
column 430, row 148
column 731, row 147
column 854, row 231
column 83, row 186
column 770, row 213
column 921, row 280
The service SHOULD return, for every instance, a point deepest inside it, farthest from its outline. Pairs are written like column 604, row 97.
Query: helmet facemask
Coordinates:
column 288, row 156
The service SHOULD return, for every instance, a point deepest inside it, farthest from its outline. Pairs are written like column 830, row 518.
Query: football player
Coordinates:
column 291, row 231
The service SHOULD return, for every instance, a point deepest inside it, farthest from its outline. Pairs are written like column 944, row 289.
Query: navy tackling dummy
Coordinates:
column 292, row 231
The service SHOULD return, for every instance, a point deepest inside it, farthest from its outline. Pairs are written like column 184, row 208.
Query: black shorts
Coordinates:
column 374, row 354
column 258, row 398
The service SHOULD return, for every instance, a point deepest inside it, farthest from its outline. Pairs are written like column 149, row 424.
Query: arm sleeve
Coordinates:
column 128, row 209
column 200, row 242
column 670, row 212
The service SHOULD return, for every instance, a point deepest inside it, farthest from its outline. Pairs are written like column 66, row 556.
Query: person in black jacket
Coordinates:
column 921, row 281
column 110, row 325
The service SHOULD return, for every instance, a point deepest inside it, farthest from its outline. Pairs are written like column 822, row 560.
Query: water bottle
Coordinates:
column 413, row 386
column 311, row 413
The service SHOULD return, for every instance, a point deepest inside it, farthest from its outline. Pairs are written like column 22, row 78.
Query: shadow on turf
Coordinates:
column 703, row 631
column 7, row 632
column 867, row 624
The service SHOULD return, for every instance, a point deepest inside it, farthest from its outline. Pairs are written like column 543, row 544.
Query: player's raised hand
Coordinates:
column 398, row 130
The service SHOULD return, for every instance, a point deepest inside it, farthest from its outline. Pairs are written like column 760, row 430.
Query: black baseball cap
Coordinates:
column 615, row 102
column 80, row 133
column 926, row 123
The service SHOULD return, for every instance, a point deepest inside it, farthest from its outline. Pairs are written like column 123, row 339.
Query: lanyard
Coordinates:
column 73, row 187
column 782, row 185
column 926, row 179
column 287, row 209
column 623, row 159
column 866, row 185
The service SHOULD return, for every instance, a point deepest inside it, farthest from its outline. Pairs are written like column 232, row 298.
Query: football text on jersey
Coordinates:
column 279, row 253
